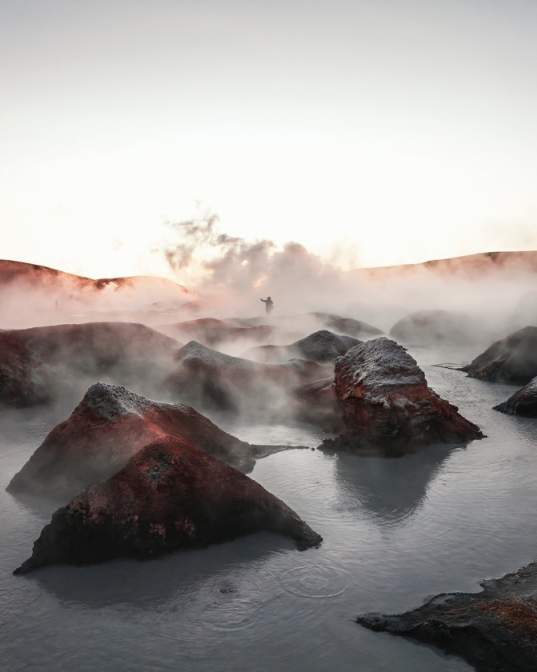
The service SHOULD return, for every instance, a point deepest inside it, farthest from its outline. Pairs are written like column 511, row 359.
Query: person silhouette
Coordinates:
column 269, row 305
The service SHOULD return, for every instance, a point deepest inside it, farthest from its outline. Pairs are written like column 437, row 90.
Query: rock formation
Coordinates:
column 210, row 379
column 40, row 363
column 522, row 402
column 494, row 630
column 105, row 430
column 388, row 406
column 510, row 360
column 212, row 332
column 427, row 327
column 321, row 347
column 169, row 497
column 317, row 404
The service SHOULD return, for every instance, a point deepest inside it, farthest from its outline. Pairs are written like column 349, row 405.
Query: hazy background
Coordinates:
column 372, row 133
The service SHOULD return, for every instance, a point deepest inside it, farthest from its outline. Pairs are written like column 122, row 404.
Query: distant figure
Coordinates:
column 269, row 305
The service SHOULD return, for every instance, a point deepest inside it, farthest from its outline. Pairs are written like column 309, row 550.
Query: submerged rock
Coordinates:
column 105, row 430
column 210, row 379
column 40, row 363
column 322, row 347
column 494, row 630
column 523, row 402
column 169, row 497
column 388, row 406
column 510, row 360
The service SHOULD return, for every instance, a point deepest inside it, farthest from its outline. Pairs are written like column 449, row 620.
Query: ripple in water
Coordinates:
column 232, row 603
column 315, row 581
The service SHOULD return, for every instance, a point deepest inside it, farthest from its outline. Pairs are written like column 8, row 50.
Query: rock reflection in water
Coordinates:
column 390, row 489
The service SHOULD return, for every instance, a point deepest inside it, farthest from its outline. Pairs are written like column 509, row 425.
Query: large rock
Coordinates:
column 212, row 332
column 169, row 497
column 427, row 327
column 210, row 379
column 388, row 406
column 105, row 430
column 494, row 630
column 317, row 404
column 522, row 402
column 322, row 347
column 40, row 363
column 511, row 360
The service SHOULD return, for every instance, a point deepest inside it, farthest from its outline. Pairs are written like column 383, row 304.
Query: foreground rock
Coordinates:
column 427, row 327
column 387, row 405
column 511, row 360
column 494, row 630
column 41, row 363
column 169, row 497
column 321, row 347
column 523, row 402
column 210, row 379
column 105, row 430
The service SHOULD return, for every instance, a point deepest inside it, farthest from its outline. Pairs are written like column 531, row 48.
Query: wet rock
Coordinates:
column 427, row 327
column 494, row 630
column 322, row 347
column 210, row 379
column 42, row 363
column 510, row 360
column 105, row 430
column 387, row 405
column 170, row 496
column 523, row 402
column 317, row 404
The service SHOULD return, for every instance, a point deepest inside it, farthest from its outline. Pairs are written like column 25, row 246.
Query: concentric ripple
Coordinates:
column 315, row 581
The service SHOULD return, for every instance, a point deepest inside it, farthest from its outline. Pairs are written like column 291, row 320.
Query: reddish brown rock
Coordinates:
column 388, row 406
column 40, row 363
column 169, row 497
column 210, row 379
column 495, row 630
column 105, row 430
column 522, row 402
column 511, row 360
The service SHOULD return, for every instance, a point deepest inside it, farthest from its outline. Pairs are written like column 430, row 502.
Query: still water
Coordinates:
column 395, row 532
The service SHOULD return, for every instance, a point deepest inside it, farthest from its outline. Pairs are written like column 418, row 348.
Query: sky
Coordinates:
column 371, row 132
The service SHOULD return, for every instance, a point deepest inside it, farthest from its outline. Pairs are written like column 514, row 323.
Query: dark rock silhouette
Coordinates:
column 522, row 402
column 426, row 327
column 210, row 379
column 494, row 630
column 510, row 360
column 387, row 405
column 322, row 347
column 41, row 363
column 170, row 496
column 105, row 430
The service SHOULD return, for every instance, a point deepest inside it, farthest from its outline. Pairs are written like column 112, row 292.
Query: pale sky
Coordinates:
column 374, row 132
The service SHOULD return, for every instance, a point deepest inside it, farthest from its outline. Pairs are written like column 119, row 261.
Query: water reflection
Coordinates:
column 217, row 571
column 390, row 490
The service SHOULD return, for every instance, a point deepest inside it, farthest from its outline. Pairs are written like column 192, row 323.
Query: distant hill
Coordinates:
column 469, row 266
column 14, row 272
